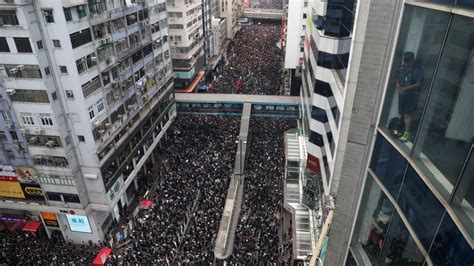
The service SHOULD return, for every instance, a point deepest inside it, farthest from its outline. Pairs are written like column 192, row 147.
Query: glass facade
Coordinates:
column 422, row 163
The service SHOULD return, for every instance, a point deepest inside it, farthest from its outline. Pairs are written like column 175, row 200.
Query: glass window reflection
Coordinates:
column 420, row 206
column 388, row 164
column 372, row 224
column 463, row 200
column 450, row 247
column 419, row 44
column 400, row 248
column 447, row 129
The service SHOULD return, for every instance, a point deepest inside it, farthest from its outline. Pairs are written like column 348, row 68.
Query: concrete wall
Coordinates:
column 293, row 33
column 374, row 38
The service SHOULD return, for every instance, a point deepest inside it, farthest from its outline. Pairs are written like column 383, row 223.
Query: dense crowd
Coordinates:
column 21, row 248
column 254, row 62
column 257, row 235
column 199, row 157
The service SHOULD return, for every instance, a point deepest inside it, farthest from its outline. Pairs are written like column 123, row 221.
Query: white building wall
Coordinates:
column 294, row 32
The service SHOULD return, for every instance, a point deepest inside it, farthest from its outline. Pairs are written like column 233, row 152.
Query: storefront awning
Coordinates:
column 31, row 226
column 102, row 256
column 192, row 86
column 146, row 203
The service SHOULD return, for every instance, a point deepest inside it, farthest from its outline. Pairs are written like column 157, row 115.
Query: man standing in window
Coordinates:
column 409, row 81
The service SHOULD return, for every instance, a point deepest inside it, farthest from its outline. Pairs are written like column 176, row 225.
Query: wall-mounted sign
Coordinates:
column 50, row 219
column 9, row 186
column 114, row 189
column 78, row 223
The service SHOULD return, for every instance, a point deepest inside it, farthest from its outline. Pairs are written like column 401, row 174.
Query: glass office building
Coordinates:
column 417, row 202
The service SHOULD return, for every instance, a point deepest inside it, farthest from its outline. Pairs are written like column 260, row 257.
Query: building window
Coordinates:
column 71, row 198
column 8, row 17
column 463, row 200
column 47, row 71
column 446, row 132
column 39, row 44
column 450, row 246
column 23, row 45
column 100, row 105
column 86, row 62
column 413, row 68
column 372, row 223
column 46, row 120
column 416, row 197
column 14, row 135
column 48, row 15
column 388, row 164
column 27, row 119
column 63, row 69
column 4, row 45
column 316, row 139
column 81, row 138
column 36, row 96
column 91, row 112
column 80, row 38
column 53, row 196
column 56, row 43
column 67, row 14
column 81, row 11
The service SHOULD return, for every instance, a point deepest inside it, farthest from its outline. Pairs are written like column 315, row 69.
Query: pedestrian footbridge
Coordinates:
column 232, row 104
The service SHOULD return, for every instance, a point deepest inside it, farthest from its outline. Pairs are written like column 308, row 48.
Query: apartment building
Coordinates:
column 186, row 41
column 87, row 94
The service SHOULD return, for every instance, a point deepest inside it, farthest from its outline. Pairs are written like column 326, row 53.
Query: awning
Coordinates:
column 146, row 203
column 192, row 86
column 31, row 226
column 102, row 256
column 75, row 3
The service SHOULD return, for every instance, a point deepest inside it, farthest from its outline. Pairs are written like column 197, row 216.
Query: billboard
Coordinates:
column 32, row 191
column 78, row 223
column 50, row 219
column 9, row 186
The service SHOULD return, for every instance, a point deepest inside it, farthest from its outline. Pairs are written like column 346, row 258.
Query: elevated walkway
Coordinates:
column 230, row 218
column 232, row 104
column 258, row 13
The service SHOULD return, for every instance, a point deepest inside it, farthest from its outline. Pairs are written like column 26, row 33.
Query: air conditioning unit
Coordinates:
column 94, row 58
column 39, row 131
column 116, row 97
column 10, row 91
column 103, row 41
column 33, row 140
column 7, row 124
column 20, row 67
column 49, row 144
column 96, row 123
column 115, row 82
column 13, row 71
column 107, row 124
column 69, row 94
column 120, row 116
column 108, row 61
column 130, row 107
column 102, row 131
column 24, row 130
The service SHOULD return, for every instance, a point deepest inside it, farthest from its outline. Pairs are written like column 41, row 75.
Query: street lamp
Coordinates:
column 240, row 141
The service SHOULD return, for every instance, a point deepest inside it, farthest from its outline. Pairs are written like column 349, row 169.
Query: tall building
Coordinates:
column 404, row 163
column 187, row 41
column 326, row 45
column 228, row 10
column 87, row 94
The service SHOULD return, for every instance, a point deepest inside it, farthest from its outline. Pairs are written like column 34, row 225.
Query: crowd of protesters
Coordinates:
column 22, row 248
column 257, row 235
column 199, row 158
column 253, row 64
